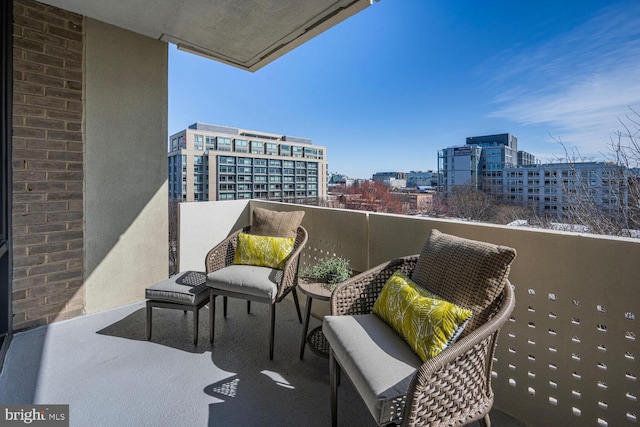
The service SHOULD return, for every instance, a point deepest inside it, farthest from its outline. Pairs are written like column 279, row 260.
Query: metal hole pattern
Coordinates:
column 570, row 357
column 316, row 249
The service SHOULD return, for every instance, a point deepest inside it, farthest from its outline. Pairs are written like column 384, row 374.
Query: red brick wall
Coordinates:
column 48, row 225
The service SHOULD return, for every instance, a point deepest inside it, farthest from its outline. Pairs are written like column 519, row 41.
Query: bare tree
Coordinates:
column 609, row 203
column 372, row 196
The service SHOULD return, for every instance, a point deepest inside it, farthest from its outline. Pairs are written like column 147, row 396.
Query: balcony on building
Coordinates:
column 568, row 356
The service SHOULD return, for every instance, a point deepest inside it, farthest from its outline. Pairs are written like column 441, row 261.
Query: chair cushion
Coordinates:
column 180, row 289
column 428, row 324
column 377, row 360
column 465, row 272
column 259, row 282
column 263, row 251
column 276, row 224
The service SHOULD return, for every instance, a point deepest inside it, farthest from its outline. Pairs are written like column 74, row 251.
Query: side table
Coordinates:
column 316, row 340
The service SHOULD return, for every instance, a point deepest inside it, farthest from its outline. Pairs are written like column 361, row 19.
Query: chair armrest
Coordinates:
column 358, row 294
column 222, row 254
column 455, row 386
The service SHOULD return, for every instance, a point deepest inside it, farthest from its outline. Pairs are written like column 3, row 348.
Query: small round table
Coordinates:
column 316, row 340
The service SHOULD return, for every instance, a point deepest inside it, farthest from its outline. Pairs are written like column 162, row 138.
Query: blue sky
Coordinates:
column 390, row 86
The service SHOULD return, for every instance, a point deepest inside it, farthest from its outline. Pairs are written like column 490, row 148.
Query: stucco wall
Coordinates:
column 126, row 246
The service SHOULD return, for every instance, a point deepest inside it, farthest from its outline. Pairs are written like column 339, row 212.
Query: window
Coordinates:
column 272, row 149
column 257, row 147
column 242, row 146
column 227, row 169
column 224, row 144
column 210, row 142
column 198, row 142
column 297, row 151
column 174, row 144
column 285, row 150
column 310, row 153
column 181, row 142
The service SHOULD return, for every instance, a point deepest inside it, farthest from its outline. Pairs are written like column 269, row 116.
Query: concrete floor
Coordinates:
column 110, row 375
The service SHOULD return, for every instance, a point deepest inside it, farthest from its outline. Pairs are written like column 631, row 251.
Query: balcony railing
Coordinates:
column 569, row 355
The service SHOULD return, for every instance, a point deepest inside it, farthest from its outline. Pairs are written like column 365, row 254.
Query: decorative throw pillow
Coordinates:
column 429, row 324
column 263, row 251
column 276, row 224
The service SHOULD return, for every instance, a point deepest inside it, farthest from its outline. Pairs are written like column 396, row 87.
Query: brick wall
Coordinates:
column 48, row 225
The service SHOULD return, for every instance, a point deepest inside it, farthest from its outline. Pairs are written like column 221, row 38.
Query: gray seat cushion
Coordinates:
column 177, row 290
column 251, row 280
column 377, row 360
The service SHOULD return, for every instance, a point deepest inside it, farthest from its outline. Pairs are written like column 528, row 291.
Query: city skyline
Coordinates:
column 420, row 76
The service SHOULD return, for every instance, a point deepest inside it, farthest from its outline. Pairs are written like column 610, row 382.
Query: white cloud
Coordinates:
column 578, row 84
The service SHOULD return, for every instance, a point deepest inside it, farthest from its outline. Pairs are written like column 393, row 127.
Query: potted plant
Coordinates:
column 331, row 270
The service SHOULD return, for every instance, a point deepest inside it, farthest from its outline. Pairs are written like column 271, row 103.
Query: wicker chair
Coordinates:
column 452, row 388
column 277, row 283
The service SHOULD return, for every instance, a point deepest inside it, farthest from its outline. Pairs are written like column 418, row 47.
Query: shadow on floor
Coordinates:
column 171, row 328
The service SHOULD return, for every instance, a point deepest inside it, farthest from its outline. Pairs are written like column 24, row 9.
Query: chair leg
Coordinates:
column 224, row 306
column 212, row 314
column 333, row 380
column 148, row 321
column 272, row 329
column 248, row 307
column 195, row 324
column 295, row 299
column 486, row 421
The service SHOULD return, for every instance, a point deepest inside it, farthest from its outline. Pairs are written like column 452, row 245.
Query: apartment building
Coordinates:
column 211, row 162
column 552, row 188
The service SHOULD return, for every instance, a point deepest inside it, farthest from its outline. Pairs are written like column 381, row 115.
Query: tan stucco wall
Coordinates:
column 126, row 198
column 200, row 229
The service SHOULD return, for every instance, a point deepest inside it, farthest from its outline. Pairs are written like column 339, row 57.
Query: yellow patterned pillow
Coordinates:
column 263, row 251
column 428, row 324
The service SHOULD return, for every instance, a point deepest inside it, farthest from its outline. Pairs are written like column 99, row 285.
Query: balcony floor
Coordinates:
column 110, row 375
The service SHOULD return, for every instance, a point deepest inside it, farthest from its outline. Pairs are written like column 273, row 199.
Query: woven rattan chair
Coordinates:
column 452, row 388
column 276, row 282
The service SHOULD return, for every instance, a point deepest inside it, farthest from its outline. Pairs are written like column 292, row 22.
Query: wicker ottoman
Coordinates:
column 185, row 291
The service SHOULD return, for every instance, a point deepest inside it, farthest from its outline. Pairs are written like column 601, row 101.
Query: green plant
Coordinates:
column 330, row 270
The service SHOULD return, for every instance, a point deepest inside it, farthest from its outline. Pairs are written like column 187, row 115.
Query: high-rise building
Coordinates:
column 458, row 166
column 480, row 162
column 211, row 162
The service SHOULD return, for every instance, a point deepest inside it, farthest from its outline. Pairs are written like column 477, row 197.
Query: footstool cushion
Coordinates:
column 184, row 288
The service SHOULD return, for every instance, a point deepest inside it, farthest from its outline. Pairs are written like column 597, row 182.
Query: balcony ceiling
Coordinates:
column 247, row 34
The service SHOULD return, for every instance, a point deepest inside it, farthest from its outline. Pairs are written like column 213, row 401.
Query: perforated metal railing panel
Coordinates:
column 569, row 357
